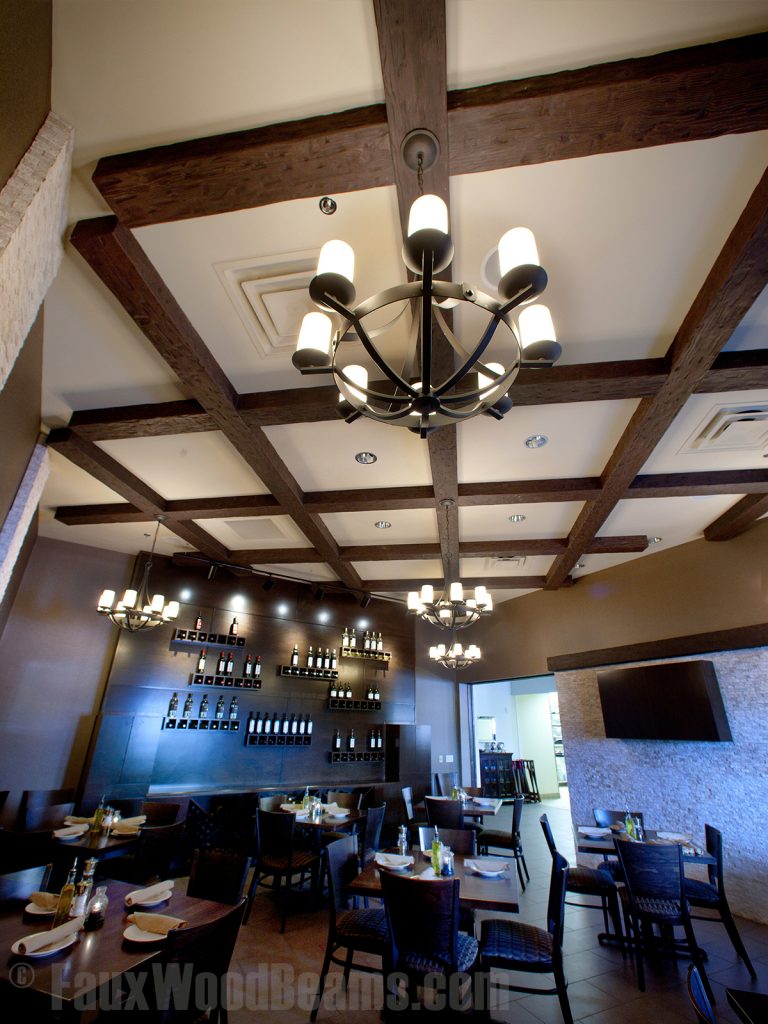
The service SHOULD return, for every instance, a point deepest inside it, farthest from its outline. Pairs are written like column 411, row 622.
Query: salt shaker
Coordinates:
column 402, row 841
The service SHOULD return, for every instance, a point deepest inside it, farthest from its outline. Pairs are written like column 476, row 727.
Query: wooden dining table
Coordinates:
column 604, row 846
column 475, row 891
column 88, row 969
column 472, row 808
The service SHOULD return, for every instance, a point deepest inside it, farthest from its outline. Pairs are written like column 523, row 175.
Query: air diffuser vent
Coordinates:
column 506, row 562
column 730, row 428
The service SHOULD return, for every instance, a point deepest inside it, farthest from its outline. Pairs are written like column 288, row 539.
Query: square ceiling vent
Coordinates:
column 270, row 296
column 505, row 562
column 730, row 428
column 256, row 530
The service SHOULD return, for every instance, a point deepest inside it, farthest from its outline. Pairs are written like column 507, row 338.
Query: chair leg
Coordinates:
column 613, row 906
column 733, row 934
column 696, row 958
column 525, row 866
column 562, row 994
column 251, row 894
column 520, row 873
column 348, row 965
column 321, row 982
column 285, row 887
column 604, row 903
column 639, row 952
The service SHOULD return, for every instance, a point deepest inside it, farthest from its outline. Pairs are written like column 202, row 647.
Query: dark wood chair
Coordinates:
column 445, row 782
column 604, row 818
column 344, row 798
column 584, row 881
column 159, row 812
column 218, row 875
column 460, row 840
column 653, row 895
column 699, row 999
column 711, row 895
column 370, row 834
column 155, row 857
column 510, row 842
column 444, row 813
column 22, row 850
column 44, row 808
column 363, row 931
column 273, row 802
column 278, row 857
column 410, row 816
column 514, row 946
column 424, row 935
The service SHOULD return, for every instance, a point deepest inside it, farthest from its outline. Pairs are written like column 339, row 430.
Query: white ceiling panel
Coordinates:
column 177, row 466
column 675, row 520
column 581, row 439
column 409, row 526
column 256, row 532
column 126, row 537
column 535, row 565
column 67, row 484
column 543, row 519
column 416, row 569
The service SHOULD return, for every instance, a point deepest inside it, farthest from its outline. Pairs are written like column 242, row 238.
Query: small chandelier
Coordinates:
column 452, row 612
column 455, row 656
column 412, row 395
column 137, row 610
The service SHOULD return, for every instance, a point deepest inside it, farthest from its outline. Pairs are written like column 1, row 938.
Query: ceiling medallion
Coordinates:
column 455, row 657
column 418, row 397
column 137, row 610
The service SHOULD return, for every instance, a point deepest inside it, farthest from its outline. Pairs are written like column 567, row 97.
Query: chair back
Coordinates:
column 517, row 815
column 651, row 871
column 444, row 813
column 343, row 798
column 341, row 867
column 369, row 842
column 714, row 840
column 605, row 818
column 158, row 851
column 460, row 840
column 128, row 807
column 558, row 883
column 275, row 833
column 41, row 808
column 445, row 782
column 407, row 792
column 273, row 802
column 423, row 917
column 699, row 998
column 218, row 875
column 159, row 812
column 22, row 850
column 546, row 828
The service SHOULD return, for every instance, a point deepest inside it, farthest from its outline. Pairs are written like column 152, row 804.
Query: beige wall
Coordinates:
column 694, row 588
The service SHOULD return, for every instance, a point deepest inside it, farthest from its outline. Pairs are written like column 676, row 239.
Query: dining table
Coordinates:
column 749, row 1007
column 88, row 971
column 592, row 839
column 499, row 893
column 484, row 807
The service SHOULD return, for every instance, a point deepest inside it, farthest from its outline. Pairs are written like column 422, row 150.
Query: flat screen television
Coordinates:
column 678, row 700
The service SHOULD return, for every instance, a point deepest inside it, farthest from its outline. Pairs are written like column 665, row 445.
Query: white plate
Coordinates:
column 32, row 908
column 393, row 861
column 47, row 950
column 488, row 867
column 338, row 814
column 136, row 934
column 152, row 903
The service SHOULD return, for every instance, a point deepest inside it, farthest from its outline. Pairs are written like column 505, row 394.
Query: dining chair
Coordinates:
column 218, row 875
column 363, row 931
column 278, row 857
column 155, row 856
column 158, row 812
column 370, row 834
column 515, row 946
column 711, row 895
column 445, row 782
column 22, row 850
column 584, row 881
column 410, row 816
column 510, row 841
column 460, row 840
column 424, row 934
column 705, row 1014
column 44, row 808
column 444, row 813
column 654, row 894
column 272, row 802
column 344, row 798
column 604, row 819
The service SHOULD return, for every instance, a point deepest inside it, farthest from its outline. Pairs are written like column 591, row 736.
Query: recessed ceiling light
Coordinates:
column 328, row 206
column 536, row 441
column 517, row 517
column 365, row 458
column 655, row 540
column 185, row 594
column 382, row 524
column 579, row 565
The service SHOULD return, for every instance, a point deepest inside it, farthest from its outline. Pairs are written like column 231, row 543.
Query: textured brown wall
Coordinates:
column 25, row 77
column 693, row 588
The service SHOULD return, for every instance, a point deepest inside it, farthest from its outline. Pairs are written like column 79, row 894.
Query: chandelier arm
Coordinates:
column 526, row 293
column 379, row 396
column 473, row 358
column 382, row 364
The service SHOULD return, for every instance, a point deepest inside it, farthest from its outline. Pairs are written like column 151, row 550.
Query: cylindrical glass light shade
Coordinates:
column 428, row 212
column 440, row 650
column 129, row 599
column 171, row 611
column 483, row 381
column 413, row 601
column 457, row 592
column 433, row 653
column 536, row 325
column 337, row 257
column 359, row 375
column 315, row 333
column 107, row 599
column 158, row 603
column 517, row 248
column 427, row 594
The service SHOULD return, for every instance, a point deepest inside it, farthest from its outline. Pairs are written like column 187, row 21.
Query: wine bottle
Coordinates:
column 348, row 693
column 234, row 709
column 367, row 642
column 201, row 661
column 327, row 659
column 220, row 708
column 259, row 724
column 199, row 621
column 302, row 726
column 267, row 725
column 203, row 712
column 275, row 724
column 370, row 692
column 293, row 726
column 351, row 740
column 250, row 725
column 371, row 739
column 334, row 661
column 353, row 641
column 344, row 641
column 284, row 725
column 233, row 628
column 310, row 657
column 333, row 691
column 379, row 740
column 83, row 889
column 221, row 664
column 376, row 694
column 230, row 663
column 257, row 670
column 380, row 645
column 65, row 897
column 248, row 667
column 309, row 725
column 337, row 740
column 173, row 707
column 295, row 656
column 188, row 706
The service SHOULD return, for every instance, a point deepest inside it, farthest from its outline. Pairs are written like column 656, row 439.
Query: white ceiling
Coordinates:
column 627, row 240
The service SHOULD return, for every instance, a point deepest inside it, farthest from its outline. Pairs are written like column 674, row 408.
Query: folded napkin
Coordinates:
column 485, row 866
column 72, row 819
column 392, row 860
column 39, row 940
column 122, row 829
column 46, row 900
column 70, row 830
column 140, row 819
column 673, row 837
column 593, row 830
column 158, row 924
column 158, row 891
column 482, row 801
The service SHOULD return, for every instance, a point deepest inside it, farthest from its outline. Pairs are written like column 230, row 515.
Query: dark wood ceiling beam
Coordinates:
column 685, row 485
column 732, row 286
column 736, row 371
column 119, row 261
column 155, row 420
column 93, row 515
column 739, row 518
column 492, row 582
column 699, row 92
column 278, row 556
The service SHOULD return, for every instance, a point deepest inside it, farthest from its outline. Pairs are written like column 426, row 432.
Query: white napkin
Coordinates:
column 140, row 819
column 674, row 837
column 427, row 873
column 159, row 924
column 122, row 828
column 158, row 891
column 70, row 830
column 483, row 801
column 39, row 940
column 45, row 900
column 72, row 819
column 392, row 860
column 593, row 830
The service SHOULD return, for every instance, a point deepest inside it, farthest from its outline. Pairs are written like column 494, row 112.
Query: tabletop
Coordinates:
column 95, row 845
column 472, row 808
column 584, row 844
column 328, row 821
column 750, row 1007
column 474, row 891
column 97, row 957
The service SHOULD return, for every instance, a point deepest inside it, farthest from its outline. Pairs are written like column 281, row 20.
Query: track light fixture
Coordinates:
column 365, row 600
column 269, row 583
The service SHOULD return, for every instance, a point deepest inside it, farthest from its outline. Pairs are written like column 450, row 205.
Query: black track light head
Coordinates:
column 365, row 600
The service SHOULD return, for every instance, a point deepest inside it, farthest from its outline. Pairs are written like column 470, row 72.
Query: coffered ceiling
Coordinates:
column 634, row 147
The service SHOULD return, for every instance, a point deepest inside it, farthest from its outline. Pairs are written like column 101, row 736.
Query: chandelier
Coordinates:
column 137, row 610
column 455, row 656
column 416, row 396
column 452, row 612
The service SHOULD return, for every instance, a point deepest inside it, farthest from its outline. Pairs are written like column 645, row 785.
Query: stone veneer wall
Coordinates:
column 681, row 785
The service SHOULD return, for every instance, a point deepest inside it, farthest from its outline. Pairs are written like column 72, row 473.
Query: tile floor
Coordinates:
column 274, row 975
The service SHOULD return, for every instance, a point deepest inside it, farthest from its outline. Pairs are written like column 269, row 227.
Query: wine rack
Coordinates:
column 308, row 673
column 347, row 704
column 382, row 658
column 277, row 741
column 203, row 724
column 199, row 638
column 348, row 756
column 236, row 682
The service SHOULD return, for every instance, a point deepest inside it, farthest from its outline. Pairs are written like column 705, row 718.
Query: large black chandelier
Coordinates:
column 137, row 610
column 452, row 610
column 456, row 656
column 415, row 395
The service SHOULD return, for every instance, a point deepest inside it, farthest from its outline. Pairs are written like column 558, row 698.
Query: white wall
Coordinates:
column 534, row 725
